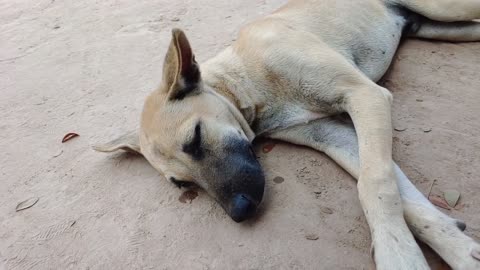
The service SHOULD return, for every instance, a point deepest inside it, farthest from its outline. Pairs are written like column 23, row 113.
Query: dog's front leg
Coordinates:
column 394, row 247
column 368, row 104
column 337, row 138
column 327, row 82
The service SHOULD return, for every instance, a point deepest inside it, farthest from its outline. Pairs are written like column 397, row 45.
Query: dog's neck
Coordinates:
column 227, row 76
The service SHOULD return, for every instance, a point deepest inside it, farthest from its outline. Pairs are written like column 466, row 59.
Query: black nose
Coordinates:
column 242, row 208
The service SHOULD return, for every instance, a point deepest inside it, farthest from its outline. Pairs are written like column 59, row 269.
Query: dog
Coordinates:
column 293, row 75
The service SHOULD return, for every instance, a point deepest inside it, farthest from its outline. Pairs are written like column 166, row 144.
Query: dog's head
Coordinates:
column 192, row 134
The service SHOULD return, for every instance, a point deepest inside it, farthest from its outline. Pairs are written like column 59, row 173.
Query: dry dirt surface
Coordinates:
column 86, row 67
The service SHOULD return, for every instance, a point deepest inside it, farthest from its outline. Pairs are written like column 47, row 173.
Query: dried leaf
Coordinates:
column 26, row 204
column 188, row 196
column 326, row 210
column 439, row 201
column 267, row 148
column 69, row 136
column 312, row 237
column 451, row 196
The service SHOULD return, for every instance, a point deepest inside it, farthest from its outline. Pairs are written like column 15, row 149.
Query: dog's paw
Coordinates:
column 468, row 257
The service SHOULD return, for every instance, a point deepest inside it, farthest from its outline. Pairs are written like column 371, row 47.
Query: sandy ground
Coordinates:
column 86, row 66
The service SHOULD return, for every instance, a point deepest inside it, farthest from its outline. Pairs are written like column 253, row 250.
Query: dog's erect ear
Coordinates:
column 128, row 142
column 181, row 72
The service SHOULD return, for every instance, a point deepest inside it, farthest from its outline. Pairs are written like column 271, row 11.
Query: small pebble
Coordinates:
column 278, row 179
column 427, row 130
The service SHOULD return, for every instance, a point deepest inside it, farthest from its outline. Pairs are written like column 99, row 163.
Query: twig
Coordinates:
column 430, row 190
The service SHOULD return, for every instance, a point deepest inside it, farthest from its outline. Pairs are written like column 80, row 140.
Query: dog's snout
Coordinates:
column 236, row 180
column 242, row 208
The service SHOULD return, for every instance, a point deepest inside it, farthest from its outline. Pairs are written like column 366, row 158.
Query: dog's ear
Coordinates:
column 181, row 73
column 128, row 142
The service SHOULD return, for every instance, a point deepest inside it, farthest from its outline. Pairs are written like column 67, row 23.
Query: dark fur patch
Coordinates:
column 413, row 21
column 188, row 89
column 194, row 147
column 461, row 225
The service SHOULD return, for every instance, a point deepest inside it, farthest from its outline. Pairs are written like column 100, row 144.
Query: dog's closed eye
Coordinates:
column 181, row 183
column 194, row 147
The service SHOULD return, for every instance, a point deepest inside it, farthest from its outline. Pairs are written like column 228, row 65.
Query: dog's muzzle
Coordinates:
column 238, row 180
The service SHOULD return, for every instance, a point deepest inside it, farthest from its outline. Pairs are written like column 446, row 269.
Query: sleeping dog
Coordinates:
column 289, row 76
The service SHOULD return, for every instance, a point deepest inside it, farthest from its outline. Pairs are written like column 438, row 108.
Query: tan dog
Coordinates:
column 288, row 76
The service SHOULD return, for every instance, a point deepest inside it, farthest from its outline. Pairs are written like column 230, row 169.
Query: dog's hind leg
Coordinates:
column 448, row 31
column 337, row 138
column 443, row 10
